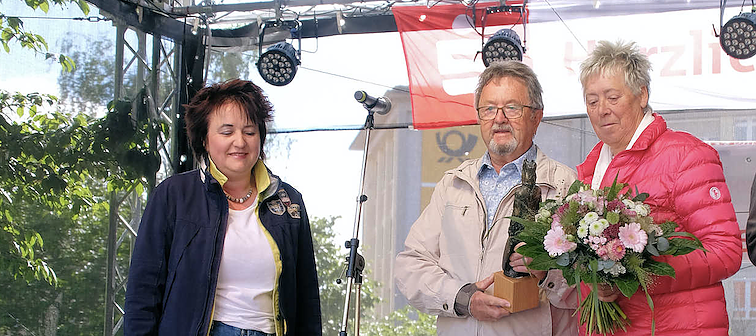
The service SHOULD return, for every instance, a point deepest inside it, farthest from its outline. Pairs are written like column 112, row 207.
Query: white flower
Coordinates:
column 582, row 231
column 596, row 228
column 628, row 203
column 642, row 209
column 544, row 213
column 616, row 270
column 590, row 217
column 656, row 229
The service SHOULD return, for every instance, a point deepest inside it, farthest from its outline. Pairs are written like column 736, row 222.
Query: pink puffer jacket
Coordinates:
column 684, row 178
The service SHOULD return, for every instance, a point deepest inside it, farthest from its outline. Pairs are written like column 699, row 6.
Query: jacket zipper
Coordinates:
column 279, row 320
column 211, row 298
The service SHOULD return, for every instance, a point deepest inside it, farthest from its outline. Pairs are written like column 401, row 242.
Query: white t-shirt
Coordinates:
column 606, row 156
column 244, row 294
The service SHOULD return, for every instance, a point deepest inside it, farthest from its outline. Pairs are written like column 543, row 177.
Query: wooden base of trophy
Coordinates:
column 522, row 293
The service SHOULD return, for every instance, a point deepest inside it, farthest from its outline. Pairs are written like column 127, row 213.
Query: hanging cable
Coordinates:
column 566, row 26
column 354, row 79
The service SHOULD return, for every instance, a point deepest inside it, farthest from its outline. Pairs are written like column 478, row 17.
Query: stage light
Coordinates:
column 278, row 64
column 738, row 36
column 503, row 45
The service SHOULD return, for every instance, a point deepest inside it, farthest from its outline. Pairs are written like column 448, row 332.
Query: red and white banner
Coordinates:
column 440, row 46
column 690, row 70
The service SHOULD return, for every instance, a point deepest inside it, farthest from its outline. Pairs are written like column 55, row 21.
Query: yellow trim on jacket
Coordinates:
column 262, row 182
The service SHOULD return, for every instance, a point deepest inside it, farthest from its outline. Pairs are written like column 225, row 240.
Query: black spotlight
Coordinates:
column 738, row 36
column 502, row 46
column 278, row 64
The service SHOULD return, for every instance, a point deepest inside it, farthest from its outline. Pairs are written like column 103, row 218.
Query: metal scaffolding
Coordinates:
column 157, row 86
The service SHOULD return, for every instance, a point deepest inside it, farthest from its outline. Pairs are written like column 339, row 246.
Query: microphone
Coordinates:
column 380, row 105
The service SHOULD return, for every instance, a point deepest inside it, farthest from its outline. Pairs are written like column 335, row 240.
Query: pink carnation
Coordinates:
column 629, row 213
column 615, row 205
column 600, row 205
column 601, row 251
column 588, row 197
column 562, row 209
column 612, row 231
column 615, row 250
column 555, row 223
column 633, row 237
column 556, row 242
column 583, row 209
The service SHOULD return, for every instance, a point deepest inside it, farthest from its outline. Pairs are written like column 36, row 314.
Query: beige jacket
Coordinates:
column 449, row 246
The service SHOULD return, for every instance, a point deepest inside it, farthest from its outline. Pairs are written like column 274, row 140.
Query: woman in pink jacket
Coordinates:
column 684, row 178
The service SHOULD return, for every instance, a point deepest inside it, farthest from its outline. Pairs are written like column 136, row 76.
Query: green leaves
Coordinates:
column 50, row 154
column 614, row 189
column 67, row 63
column 574, row 187
column 628, row 285
column 12, row 31
column 330, row 262
column 668, row 227
column 14, row 22
column 677, row 243
column 84, row 6
column 563, row 260
column 402, row 323
column 659, row 268
column 662, row 244
column 651, row 249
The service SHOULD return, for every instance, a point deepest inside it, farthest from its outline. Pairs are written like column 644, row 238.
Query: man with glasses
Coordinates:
column 455, row 247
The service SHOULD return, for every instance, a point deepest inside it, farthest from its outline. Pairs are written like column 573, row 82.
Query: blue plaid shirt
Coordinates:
column 495, row 186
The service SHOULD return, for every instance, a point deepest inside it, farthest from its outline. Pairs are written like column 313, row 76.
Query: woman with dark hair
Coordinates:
column 224, row 249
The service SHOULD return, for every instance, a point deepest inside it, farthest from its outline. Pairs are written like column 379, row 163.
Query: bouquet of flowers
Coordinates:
column 603, row 237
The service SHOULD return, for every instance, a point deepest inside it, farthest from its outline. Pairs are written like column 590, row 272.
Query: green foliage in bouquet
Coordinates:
column 603, row 236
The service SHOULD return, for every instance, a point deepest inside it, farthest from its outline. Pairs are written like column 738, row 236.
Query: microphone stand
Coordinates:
column 355, row 261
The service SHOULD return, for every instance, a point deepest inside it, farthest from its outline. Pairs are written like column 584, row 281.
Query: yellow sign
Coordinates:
column 445, row 149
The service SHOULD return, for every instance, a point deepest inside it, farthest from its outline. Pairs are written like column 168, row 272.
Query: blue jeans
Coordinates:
column 221, row 329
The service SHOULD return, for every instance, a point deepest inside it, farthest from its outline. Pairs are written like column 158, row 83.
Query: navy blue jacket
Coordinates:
column 174, row 267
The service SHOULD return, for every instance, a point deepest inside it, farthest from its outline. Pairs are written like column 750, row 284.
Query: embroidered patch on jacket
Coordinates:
column 284, row 197
column 715, row 193
column 276, row 207
column 294, row 211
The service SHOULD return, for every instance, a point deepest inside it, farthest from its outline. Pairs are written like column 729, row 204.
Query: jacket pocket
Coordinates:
column 459, row 219
column 459, row 235
column 183, row 235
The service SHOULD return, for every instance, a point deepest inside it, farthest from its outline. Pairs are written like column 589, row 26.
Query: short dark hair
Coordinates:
column 244, row 93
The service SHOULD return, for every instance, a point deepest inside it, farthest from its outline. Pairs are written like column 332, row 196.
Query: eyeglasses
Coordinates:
column 511, row 111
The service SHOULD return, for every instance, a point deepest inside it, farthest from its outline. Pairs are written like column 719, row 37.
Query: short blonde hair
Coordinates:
column 610, row 58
